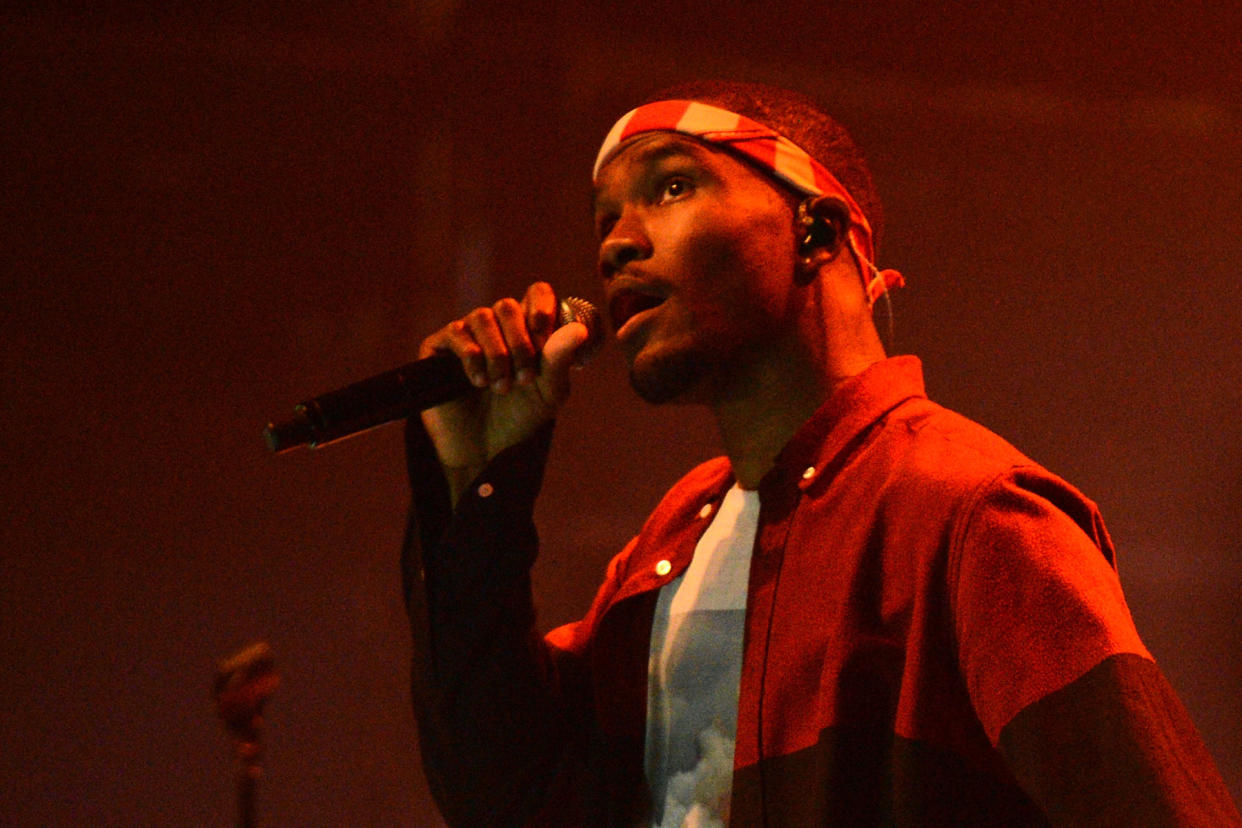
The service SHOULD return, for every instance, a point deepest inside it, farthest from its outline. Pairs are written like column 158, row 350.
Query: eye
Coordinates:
column 674, row 187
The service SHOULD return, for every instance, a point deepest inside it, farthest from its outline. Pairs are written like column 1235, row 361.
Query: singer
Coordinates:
column 870, row 611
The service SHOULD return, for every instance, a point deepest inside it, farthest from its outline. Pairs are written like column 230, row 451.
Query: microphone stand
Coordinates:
column 244, row 682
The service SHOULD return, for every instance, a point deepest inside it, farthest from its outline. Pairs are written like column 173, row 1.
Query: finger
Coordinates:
column 485, row 329
column 457, row 339
column 523, row 358
column 541, row 312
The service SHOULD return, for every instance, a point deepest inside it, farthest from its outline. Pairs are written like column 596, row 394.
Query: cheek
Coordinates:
column 750, row 265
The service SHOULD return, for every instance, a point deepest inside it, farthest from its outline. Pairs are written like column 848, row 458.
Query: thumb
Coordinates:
column 558, row 357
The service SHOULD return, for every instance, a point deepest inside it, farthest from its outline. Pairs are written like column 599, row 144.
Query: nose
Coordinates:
column 626, row 242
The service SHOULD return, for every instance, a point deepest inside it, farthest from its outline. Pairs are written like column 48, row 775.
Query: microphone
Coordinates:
column 396, row 394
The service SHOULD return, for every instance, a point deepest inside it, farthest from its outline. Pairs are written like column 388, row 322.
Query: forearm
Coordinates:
column 485, row 690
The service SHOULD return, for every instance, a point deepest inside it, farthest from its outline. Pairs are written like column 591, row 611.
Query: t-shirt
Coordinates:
column 694, row 669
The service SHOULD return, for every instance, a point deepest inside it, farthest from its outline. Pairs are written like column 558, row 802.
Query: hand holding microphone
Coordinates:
column 489, row 378
column 518, row 355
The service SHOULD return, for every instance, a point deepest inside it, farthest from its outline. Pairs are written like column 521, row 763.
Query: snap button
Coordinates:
column 706, row 510
column 663, row 568
column 809, row 473
column 486, row 490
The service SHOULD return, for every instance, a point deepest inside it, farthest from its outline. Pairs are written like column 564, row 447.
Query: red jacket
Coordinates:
column 935, row 635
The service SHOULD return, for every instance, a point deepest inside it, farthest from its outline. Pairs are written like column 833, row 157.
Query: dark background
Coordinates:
column 209, row 215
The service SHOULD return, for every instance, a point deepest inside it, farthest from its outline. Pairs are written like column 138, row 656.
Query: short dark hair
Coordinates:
column 800, row 119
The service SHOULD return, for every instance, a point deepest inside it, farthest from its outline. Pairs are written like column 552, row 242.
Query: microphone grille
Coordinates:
column 573, row 309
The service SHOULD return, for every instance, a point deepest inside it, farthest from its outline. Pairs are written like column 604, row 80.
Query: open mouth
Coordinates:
column 627, row 304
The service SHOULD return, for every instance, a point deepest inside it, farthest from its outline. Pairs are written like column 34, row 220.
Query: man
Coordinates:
column 871, row 611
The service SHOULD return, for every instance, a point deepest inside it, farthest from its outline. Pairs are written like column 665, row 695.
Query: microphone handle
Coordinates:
column 392, row 395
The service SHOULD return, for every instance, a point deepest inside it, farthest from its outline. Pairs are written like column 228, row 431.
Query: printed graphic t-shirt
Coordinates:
column 693, row 672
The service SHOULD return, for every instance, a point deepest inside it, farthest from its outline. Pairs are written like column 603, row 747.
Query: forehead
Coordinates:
column 644, row 153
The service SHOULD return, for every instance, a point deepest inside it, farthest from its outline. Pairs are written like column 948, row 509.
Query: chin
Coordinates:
column 670, row 378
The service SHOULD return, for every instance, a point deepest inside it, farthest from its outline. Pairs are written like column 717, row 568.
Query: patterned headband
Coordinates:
column 769, row 149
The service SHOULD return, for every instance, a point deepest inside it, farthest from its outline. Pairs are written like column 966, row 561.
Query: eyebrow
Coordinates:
column 656, row 152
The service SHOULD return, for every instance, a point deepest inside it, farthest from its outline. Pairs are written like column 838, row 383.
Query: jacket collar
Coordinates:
column 822, row 443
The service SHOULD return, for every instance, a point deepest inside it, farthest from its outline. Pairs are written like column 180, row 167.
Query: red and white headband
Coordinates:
column 769, row 149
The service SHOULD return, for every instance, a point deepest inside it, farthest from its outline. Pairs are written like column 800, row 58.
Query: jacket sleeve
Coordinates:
column 1064, row 687
column 489, row 696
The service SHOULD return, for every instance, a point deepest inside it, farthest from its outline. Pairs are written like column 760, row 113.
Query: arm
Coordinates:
column 1066, row 690
column 491, row 715
column 486, row 691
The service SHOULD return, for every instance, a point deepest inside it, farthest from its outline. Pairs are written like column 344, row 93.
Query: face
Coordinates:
column 698, row 256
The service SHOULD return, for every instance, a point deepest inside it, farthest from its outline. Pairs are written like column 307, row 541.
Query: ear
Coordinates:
column 821, row 228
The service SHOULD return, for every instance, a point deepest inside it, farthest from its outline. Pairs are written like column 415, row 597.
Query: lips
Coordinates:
column 628, row 303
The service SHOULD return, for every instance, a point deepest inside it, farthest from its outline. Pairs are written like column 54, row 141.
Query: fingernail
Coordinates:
column 500, row 385
column 524, row 376
column 479, row 380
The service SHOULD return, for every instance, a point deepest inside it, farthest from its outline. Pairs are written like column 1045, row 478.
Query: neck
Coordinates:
column 754, row 427
column 772, row 397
